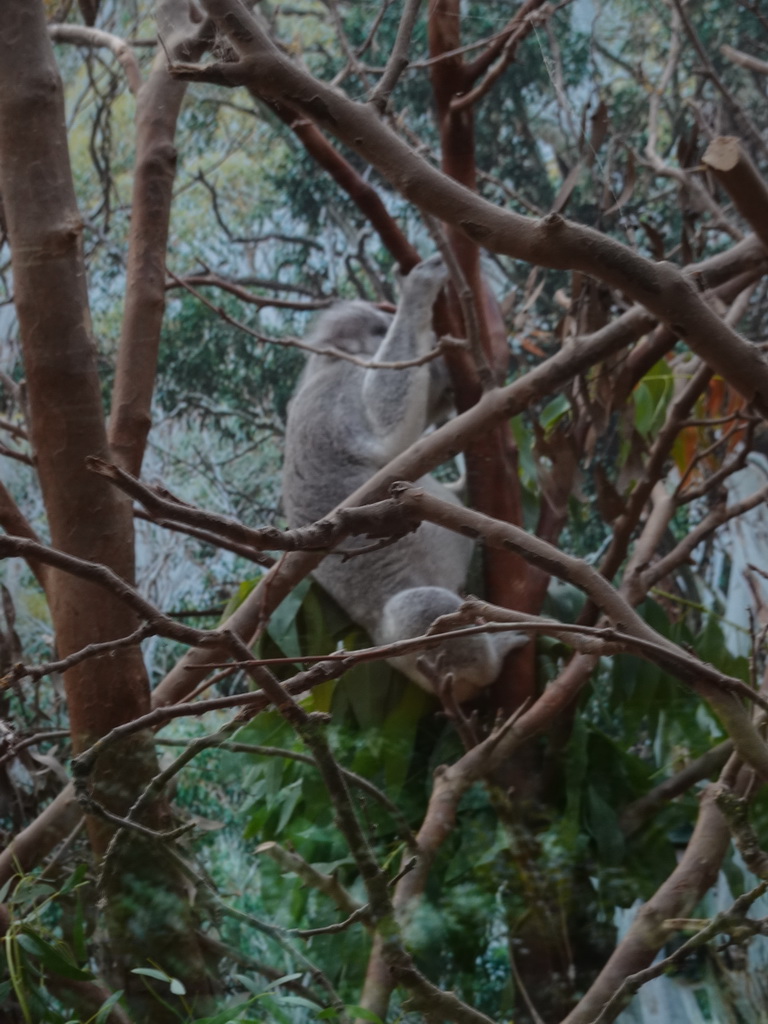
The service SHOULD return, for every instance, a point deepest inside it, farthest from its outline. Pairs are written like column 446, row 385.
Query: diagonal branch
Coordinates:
column 725, row 694
column 552, row 242
column 82, row 35
column 732, row 167
column 398, row 59
column 362, row 194
column 745, row 60
column 499, row 43
column 694, row 874
column 525, row 21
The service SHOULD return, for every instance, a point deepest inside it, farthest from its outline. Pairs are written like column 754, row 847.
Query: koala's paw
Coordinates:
column 427, row 277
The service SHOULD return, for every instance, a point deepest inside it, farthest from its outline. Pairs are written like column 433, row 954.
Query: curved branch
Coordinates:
column 82, row 35
column 725, row 694
column 745, row 60
column 552, row 242
column 695, row 873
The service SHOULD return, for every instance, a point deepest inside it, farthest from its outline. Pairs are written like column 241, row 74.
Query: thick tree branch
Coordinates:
column 695, row 873
column 159, row 103
column 745, row 60
column 552, row 242
column 82, row 35
column 723, row 693
column 733, row 920
column 741, row 180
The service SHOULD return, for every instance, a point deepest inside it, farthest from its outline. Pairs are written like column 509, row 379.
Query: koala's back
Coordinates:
column 330, row 453
column 324, row 462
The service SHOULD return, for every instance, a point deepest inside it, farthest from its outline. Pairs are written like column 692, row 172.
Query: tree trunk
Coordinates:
column 492, row 457
column 148, row 916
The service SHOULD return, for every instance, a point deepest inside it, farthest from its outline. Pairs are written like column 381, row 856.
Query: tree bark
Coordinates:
column 492, row 475
column 147, row 909
column 548, row 242
column 159, row 103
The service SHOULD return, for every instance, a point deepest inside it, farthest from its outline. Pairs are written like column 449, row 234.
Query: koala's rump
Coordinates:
column 432, row 556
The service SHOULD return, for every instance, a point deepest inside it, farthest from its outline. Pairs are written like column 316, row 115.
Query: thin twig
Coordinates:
column 398, row 59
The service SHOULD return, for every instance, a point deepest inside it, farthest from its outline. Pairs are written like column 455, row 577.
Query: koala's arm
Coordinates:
column 397, row 401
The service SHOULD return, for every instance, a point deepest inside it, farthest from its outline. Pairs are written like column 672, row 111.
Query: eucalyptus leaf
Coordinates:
column 51, row 957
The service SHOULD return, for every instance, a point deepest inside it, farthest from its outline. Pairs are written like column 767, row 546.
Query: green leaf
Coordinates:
column 75, row 879
column 282, row 623
column 50, row 957
column 226, row 1015
column 238, row 597
column 289, row 805
column 176, row 986
column 320, row 698
column 602, row 824
column 643, row 408
column 297, row 1001
column 282, row 981
column 151, row 972
column 651, row 397
column 554, row 411
column 363, row 1014
column 30, row 890
column 106, row 1007
column 323, row 621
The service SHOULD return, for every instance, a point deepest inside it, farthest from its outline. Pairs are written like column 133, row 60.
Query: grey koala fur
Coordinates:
column 345, row 423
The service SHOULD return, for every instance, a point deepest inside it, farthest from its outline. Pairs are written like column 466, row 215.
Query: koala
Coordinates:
column 344, row 424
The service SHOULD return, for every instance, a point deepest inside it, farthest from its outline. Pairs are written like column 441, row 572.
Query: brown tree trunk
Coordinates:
column 492, row 457
column 148, row 916
column 159, row 103
column 492, row 471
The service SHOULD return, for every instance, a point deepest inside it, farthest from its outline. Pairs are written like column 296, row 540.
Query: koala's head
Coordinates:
column 425, row 280
column 354, row 327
